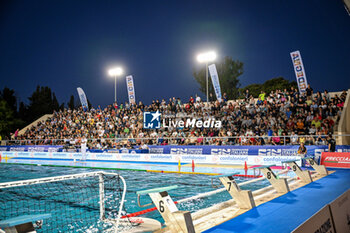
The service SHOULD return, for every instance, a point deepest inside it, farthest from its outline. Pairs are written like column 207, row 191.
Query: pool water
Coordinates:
column 188, row 185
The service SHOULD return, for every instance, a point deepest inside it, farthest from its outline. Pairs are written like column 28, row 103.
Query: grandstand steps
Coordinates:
column 34, row 123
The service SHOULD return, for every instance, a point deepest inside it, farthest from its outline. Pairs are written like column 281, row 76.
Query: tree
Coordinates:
column 228, row 72
column 55, row 104
column 8, row 122
column 71, row 103
column 42, row 101
column 270, row 85
column 8, row 95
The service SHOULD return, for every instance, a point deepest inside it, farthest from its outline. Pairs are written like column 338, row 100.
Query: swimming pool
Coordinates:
column 188, row 185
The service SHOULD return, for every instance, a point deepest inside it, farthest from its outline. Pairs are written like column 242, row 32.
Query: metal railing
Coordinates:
column 108, row 143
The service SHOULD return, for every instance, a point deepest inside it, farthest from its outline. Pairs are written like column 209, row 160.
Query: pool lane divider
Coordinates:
column 180, row 172
column 111, row 168
column 131, row 169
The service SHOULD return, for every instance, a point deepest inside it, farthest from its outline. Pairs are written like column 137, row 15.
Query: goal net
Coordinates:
column 87, row 202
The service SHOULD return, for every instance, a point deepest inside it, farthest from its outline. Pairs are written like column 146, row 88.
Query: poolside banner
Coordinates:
column 299, row 71
column 289, row 150
column 215, row 80
column 131, row 89
column 336, row 159
column 340, row 211
column 319, row 222
column 83, row 99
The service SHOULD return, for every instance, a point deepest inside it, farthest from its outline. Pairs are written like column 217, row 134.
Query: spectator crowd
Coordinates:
column 281, row 117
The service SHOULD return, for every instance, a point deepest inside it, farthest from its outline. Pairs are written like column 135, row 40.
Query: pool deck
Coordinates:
column 287, row 212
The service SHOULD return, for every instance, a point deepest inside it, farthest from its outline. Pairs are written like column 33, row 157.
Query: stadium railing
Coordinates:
column 108, row 143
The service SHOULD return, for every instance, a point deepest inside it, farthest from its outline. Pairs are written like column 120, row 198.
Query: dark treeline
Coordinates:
column 14, row 115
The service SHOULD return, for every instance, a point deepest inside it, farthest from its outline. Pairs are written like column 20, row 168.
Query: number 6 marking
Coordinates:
column 161, row 207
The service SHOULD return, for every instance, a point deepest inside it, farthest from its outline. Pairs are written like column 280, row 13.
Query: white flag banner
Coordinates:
column 131, row 89
column 215, row 80
column 299, row 71
column 83, row 99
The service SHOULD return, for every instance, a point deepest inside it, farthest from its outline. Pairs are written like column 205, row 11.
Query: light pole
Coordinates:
column 206, row 57
column 114, row 73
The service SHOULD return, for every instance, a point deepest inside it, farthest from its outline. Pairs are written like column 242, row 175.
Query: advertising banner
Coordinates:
column 336, row 159
column 299, row 71
column 32, row 148
column 319, row 222
column 340, row 209
column 215, row 80
column 83, row 99
column 167, row 158
column 131, row 89
column 243, row 150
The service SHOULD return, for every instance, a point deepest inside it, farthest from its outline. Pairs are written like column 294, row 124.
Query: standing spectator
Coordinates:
column 294, row 138
column 309, row 92
column 224, row 97
column 247, row 94
column 327, row 95
column 211, row 97
column 198, row 99
column 83, row 148
column 16, row 133
column 331, row 143
column 262, row 95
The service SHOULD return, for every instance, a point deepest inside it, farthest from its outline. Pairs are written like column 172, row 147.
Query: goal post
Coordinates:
column 76, row 203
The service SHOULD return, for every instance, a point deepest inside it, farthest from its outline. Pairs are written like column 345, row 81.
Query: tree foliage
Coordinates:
column 8, row 95
column 71, row 103
column 228, row 71
column 270, row 85
column 42, row 102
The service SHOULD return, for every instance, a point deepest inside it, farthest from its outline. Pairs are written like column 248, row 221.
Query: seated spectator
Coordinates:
column 302, row 151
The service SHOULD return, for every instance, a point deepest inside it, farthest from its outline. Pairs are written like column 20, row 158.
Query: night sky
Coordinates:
column 70, row 44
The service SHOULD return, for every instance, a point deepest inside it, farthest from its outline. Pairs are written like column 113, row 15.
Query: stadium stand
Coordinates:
column 277, row 118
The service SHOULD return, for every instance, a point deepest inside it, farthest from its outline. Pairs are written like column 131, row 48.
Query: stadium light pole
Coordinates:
column 205, row 58
column 114, row 72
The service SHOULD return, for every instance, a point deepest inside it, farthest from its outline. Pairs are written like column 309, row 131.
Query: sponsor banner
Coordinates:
column 336, row 159
column 319, row 222
column 242, row 150
column 215, row 80
column 299, row 71
column 131, row 89
column 83, row 99
column 32, row 148
column 340, row 209
column 9, row 154
column 172, row 158
column 253, row 160
column 186, row 151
